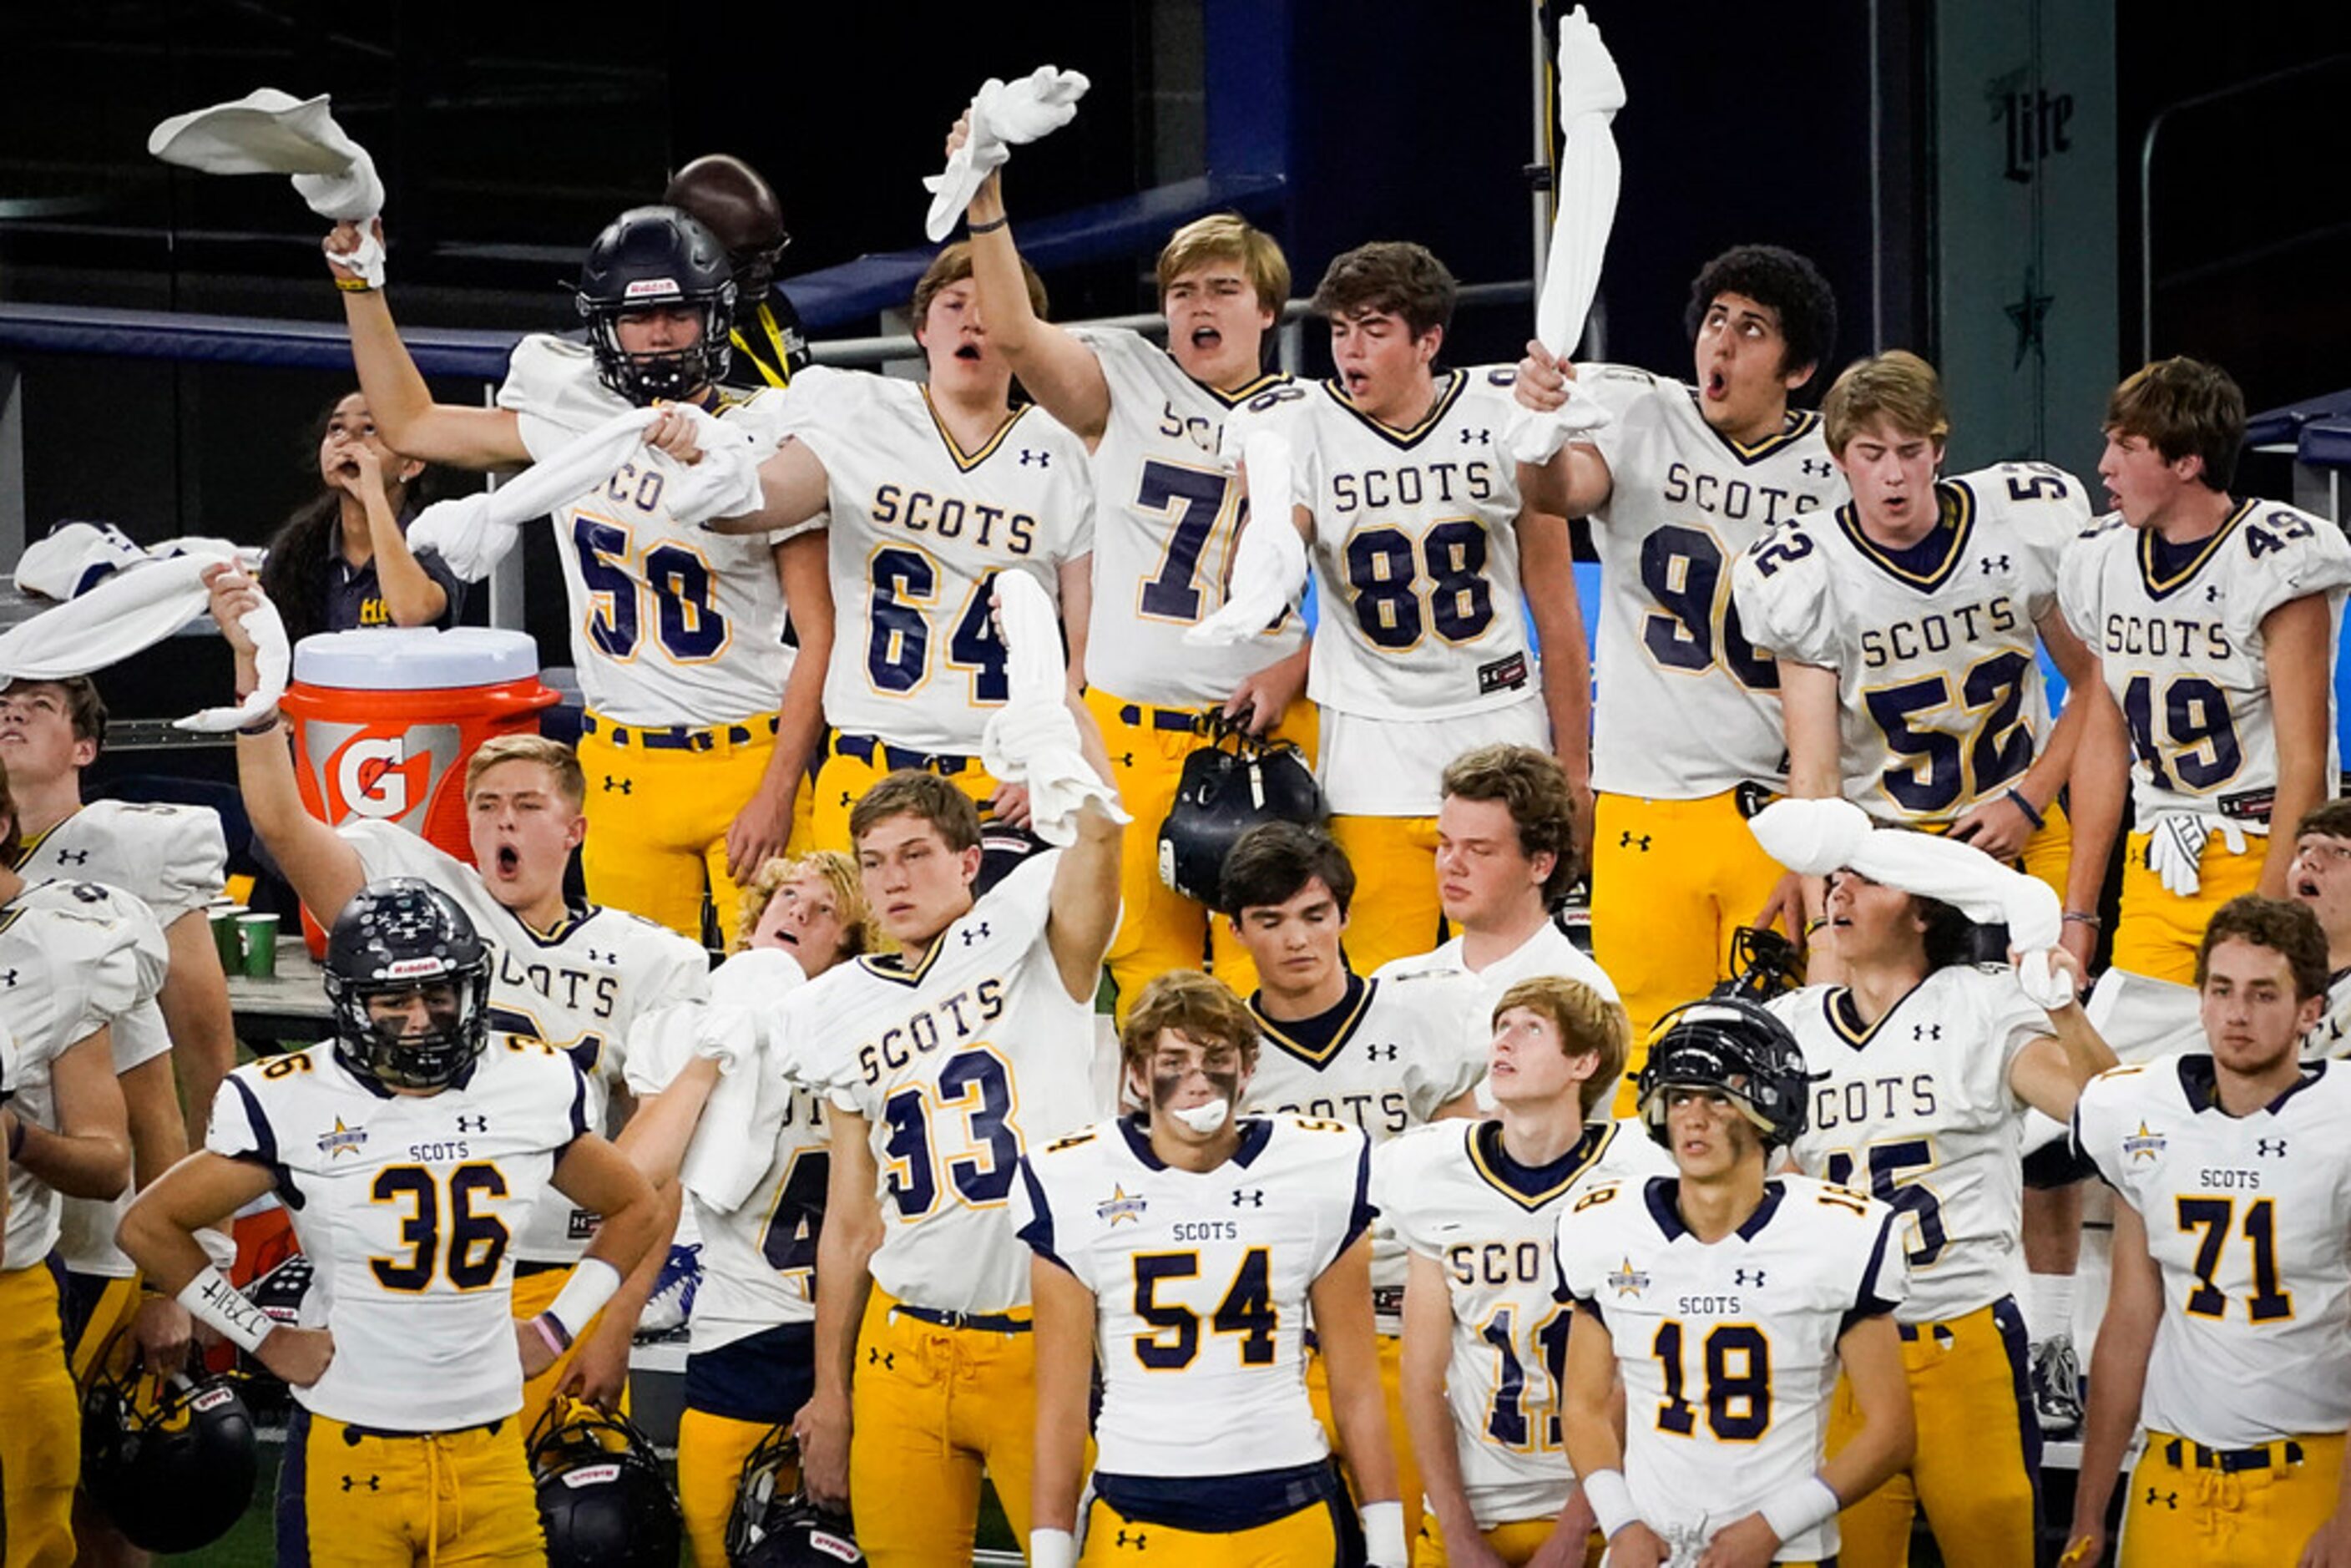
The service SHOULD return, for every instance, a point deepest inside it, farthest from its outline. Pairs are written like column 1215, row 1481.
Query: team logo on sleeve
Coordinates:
column 1628, row 1280
column 1118, row 1205
column 342, row 1141
column 2143, row 1145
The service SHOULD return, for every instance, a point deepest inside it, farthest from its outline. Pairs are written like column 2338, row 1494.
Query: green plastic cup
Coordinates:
column 226, row 938
column 258, row 937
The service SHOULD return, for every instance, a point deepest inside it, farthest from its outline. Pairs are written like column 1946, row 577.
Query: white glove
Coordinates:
column 2175, row 847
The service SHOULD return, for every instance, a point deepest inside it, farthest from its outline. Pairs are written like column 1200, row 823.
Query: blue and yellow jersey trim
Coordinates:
column 1547, row 1183
column 1242, row 394
column 1446, row 396
column 2159, row 586
column 965, row 462
column 1293, row 1043
column 1795, row 425
column 1955, row 519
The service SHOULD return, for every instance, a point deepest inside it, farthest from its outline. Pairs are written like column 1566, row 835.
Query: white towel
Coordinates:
column 472, row 533
column 1584, row 209
column 1269, row 565
column 271, row 133
column 135, row 610
column 1815, row 838
column 1033, row 739
column 74, row 559
column 735, row 1139
column 1002, row 115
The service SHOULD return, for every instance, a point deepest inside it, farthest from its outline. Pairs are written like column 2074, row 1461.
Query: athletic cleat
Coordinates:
column 2057, row 1388
column 672, row 1303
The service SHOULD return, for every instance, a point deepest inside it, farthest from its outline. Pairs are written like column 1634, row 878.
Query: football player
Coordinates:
column 1923, row 1065
column 1382, row 1054
column 751, row 1355
column 700, row 723
column 1193, row 1269
column 1728, row 1300
column 1685, row 740
column 1907, row 623
column 409, row 1150
column 1423, row 552
column 2213, row 622
column 1485, row 1343
column 1168, row 510
column 574, row 977
column 2231, row 1283
column 70, row 968
column 1505, row 841
column 737, row 204
column 2322, row 858
column 944, row 1062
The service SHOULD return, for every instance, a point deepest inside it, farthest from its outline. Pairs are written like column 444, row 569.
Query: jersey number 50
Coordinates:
column 685, row 618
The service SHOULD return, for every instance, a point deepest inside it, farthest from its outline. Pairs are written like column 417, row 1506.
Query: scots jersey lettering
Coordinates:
column 1959, row 627
column 1865, row 1099
column 2162, row 636
column 576, row 990
column 1739, row 500
column 1411, row 484
column 952, row 516
column 948, row 1024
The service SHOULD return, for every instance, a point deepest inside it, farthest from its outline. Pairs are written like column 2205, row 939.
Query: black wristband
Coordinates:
column 988, row 227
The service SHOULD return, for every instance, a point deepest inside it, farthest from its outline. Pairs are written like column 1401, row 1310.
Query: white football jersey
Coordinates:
column 173, row 859
column 1472, row 994
column 2249, row 1221
column 1168, row 512
column 960, row 1062
column 1200, row 1277
column 1917, row 1110
column 408, row 1208
column 1687, row 707
column 579, row 988
column 758, row 1257
column 919, row 527
column 2331, row 1037
column 1934, row 647
column 2180, row 647
column 74, row 959
column 1416, row 549
column 669, row 623
column 1729, row 1351
column 1455, row 1196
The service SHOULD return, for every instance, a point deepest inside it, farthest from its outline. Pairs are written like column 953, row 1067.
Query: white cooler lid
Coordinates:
column 414, row 658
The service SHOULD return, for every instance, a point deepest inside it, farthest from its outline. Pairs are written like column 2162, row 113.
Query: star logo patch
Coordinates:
column 1119, row 1207
column 342, row 1141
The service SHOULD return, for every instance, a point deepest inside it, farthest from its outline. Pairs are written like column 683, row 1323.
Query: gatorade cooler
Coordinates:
column 385, row 718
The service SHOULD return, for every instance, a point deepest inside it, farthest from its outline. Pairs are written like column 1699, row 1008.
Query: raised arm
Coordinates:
column 1084, row 899
column 793, row 486
column 1060, row 372
column 402, row 405
column 1576, row 482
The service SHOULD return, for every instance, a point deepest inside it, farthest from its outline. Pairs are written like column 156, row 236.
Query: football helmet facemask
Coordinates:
column 1764, row 964
column 170, row 1461
column 402, row 937
column 1731, row 1046
column 774, row 1528
column 603, row 1498
column 651, row 256
column 1224, row 792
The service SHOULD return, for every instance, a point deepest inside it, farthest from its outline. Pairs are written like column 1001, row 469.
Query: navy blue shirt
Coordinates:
column 353, row 598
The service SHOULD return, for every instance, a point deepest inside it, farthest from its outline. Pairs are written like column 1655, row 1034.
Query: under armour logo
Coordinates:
column 1029, row 455
column 10, row 980
column 617, row 786
column 1127, row 760
column 1818, row 467
column 1254, row 1197
column 887, row 1359
column 1379, row 1054
column 1993, row 563
column 1738, row 1276
column 2169, row 1499
column 73, row 857
column 599, row 955
column 2212, row 593
column 1626, row 841
column 2262, row 1145
column 1134, row 1541
column 472, row 1123
column 353, row 1483
column 1926, row 1031
column 846, row 800
column 974, row 934
column 1476, row 437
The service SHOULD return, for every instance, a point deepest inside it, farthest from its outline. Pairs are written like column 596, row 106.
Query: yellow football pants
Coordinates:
column 1159, row 929
column 349, row 1498
column 40, row 1433
column 2159, row 932
column 112, row 1304
column 2178, row 1512
column 1979, row 1457
column 855, row 763
column 1306, row 1539
column 932, row 1406
column 1318, row 1394
column 657, row 819
column 533, row 1294
column 710, row 1454
column 1515, row 1542
column 1396, row 914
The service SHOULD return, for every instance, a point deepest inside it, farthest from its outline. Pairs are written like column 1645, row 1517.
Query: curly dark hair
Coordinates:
column 1786, row 282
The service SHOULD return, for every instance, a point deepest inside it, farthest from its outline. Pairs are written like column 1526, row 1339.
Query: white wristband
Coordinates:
column 1052, row 1548
column 210, row 1298
column 1795, row 1509
column 1611, row 1500
column 593, row 1283
column 1384, row 1534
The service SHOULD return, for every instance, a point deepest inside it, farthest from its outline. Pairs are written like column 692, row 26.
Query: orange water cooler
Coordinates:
column 385, row 718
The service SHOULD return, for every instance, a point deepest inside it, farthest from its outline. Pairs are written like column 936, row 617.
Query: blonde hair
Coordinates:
column 1896, row 386
column 1588, row 1023
column 570, row 782
column 838, row 872
column 1228, row 236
